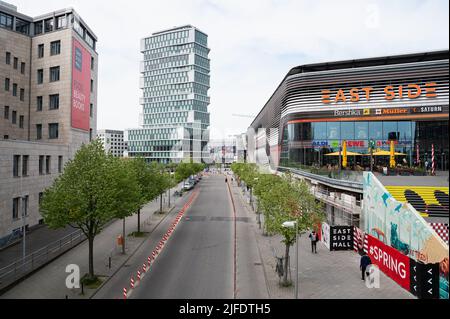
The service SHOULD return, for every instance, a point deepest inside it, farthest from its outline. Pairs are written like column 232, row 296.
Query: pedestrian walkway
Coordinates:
column 325, row 275
column 50, row 281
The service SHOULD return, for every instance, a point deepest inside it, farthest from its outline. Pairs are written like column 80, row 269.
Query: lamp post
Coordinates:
column 292, row 224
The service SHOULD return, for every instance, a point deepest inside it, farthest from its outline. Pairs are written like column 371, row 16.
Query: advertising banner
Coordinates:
column 390, row 261
column 325, row 236
column 341, row 238
column 424, row 279
column 81, row 86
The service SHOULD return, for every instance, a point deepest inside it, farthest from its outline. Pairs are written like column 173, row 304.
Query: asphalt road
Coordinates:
column 198, row 259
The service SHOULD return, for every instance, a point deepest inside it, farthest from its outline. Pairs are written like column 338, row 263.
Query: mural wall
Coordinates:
column 401, row 227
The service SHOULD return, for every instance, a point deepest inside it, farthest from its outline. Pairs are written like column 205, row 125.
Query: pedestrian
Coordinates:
column 364, row 263
column 314, row 239
column 226, row 180
column 426, row 165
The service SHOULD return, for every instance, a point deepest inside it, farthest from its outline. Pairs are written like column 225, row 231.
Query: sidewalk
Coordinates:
column 49, row 282
column 325, row 275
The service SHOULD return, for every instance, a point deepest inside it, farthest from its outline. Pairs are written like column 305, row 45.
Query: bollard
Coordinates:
column 124, row 293
column 132, row 283
column 144, row 267
column 109, row 262
column 138, row 275
column 149, row 261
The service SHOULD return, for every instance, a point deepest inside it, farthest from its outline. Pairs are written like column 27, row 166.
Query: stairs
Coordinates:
column 430, row 201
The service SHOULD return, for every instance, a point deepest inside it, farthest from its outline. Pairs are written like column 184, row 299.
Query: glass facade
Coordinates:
column 175, row 83
column 307, row 143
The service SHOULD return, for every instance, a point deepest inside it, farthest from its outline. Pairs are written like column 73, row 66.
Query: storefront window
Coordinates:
column 404, row 129
column 347, row 130
column 375, row 130
column 333, row 129
column 361, row 130
column 320, row 130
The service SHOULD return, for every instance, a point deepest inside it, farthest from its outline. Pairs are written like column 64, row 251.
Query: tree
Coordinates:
column 147, row 178
column 88, row 194
column 264, row 185
column 290, row 200
column 129, row 190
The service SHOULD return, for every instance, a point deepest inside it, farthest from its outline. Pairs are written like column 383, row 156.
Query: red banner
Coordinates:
column 390, row 261
column 81, row 86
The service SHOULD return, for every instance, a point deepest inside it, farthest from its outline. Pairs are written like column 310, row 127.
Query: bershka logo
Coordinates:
column 388, row 261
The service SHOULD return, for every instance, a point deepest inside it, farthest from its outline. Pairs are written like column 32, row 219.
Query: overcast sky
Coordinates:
column 253, row 44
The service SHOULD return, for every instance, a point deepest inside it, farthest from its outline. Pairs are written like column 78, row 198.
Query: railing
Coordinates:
column 38, row 258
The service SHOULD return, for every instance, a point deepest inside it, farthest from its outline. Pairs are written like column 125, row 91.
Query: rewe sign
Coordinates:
column 390, row 261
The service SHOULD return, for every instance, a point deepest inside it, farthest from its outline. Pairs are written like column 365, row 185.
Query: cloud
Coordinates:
column 253, row 43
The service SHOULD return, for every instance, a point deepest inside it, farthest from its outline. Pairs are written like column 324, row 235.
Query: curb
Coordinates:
column 245, row 205
column 132, row 253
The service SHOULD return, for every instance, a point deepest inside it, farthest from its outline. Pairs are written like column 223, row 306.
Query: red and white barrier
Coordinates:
column 138, row 275
column 132, row 283
column 124, row 293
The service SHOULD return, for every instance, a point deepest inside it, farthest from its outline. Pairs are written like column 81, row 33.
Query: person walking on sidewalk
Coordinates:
column 314, row 239
column 364, row 263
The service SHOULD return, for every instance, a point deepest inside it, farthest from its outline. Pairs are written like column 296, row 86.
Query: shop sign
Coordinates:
column 334, row 143
column 319, row 143
column 341, row 238
column 427, row 109
column 391, row 92
column 351, row 143
column 392, row 262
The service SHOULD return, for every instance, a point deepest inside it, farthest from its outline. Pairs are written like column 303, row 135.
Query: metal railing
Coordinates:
column 38, row 258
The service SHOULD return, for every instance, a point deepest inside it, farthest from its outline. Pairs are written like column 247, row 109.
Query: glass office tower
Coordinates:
column 175, row 82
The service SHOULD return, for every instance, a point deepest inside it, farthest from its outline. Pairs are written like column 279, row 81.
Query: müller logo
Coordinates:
column 391, row 92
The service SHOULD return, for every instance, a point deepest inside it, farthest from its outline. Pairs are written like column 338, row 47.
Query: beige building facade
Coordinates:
column 48, row 106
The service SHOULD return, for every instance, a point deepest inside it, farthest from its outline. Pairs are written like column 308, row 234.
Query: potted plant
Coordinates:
column 419, row 171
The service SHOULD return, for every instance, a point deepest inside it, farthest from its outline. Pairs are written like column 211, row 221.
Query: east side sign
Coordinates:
column 391, row 92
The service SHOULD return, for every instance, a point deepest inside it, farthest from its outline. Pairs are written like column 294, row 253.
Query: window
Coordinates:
column 54, row 101
column 14, row 117
column 8, row 58
column 319, row 130
column 14, row 89
column 60, row 164
column 22, row 67
column 92, row 85
column 40, row 196
column 390, row 130
column 25, row 205
column 48, row 25
column 16, row 163
column 6, row 112
column 38, row 131
column 5, row 137
column 61, row 22
column 40, row 76
column 6, row 21
column 54, row 74
column 16, row 63
column 41, row 164
column 25, row 165
column 361, row 130
column 39, row 102
column 334, row 130
column 47, row 164
column 38, row 27
column 6, row 84
column 91, row 110
column 22, row 26
column 22, row 94
column 53, row 130
column 90, row 134
column 21, row 120
column 375, row 130
column 55, row 47
column 40, row 50
column 347, row 130
column 15, row 211
column 92, row 63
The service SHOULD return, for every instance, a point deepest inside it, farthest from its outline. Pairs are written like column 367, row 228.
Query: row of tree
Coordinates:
column 280, row 199
column 96, row 188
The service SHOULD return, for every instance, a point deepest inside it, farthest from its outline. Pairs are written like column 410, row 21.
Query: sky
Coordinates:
column 254, row 43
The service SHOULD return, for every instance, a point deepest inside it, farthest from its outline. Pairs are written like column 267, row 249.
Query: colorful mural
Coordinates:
column 400, row 226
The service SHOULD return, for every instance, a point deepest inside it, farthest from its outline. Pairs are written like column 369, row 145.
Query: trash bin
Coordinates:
column 120, row 240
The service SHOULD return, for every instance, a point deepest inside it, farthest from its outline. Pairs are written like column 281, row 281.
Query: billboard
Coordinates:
column 81, row 86
column 325, row 235
column 341, row 238
column 390, row 261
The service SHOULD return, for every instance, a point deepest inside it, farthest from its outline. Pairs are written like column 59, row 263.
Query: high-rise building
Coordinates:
column 113, row 142
column 48, row 103
column 175, row 82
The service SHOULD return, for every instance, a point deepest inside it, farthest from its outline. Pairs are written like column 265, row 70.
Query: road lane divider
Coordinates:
column 159, row 247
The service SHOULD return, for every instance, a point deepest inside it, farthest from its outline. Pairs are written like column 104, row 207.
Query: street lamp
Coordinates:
column 292, row 224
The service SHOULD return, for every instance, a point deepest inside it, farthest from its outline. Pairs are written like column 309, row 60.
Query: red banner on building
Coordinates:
column 390, row 261
column 81, row 86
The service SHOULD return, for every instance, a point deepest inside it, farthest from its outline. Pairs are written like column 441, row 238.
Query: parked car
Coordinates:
column 188, row 185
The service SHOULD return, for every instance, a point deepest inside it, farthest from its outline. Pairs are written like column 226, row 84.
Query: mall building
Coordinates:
column 402, row 98
column 48, row 107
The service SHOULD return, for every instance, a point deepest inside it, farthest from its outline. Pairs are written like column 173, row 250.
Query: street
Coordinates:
column 198, row 259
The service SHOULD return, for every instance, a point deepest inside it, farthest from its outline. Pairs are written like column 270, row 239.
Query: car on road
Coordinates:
column 188, row 185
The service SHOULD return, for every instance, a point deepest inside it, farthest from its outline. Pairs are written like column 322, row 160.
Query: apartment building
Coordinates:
column 113, row 142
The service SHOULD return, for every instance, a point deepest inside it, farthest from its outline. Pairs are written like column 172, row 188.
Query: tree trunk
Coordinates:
column 139, row 220
column 169, row 198
column 286, row 265
column 91, row 256
column 160, row 203
column 123, row 234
